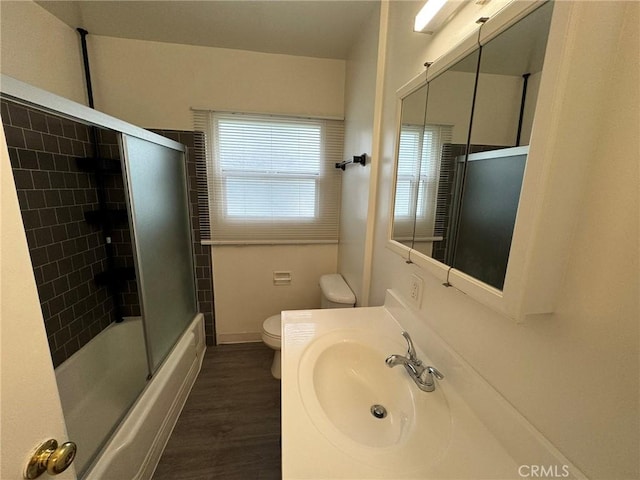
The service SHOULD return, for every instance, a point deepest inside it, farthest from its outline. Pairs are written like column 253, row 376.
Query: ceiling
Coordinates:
column 314, row 28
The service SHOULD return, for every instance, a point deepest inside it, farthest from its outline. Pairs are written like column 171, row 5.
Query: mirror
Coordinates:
column 409, row 155
column 468, row 166
column 447, row 122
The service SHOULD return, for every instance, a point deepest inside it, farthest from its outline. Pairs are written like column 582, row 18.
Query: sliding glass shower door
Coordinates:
column 159, row 214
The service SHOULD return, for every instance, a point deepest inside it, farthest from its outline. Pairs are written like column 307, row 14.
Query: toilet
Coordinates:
column 335, row 294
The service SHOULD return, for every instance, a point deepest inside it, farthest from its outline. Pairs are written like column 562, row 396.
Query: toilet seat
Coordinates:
column 271, row 336
column 272, row 326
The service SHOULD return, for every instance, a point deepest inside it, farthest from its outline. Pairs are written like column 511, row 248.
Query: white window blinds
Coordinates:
column 271, row 179
column 419, row 153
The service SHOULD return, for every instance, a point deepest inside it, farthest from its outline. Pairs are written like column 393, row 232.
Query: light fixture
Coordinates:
column 434, row 13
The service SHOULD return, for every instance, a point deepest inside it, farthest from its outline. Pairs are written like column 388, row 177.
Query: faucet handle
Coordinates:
column 435, row 372
column 411, row 350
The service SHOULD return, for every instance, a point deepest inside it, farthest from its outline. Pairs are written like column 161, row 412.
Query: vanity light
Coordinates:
column 434, row 13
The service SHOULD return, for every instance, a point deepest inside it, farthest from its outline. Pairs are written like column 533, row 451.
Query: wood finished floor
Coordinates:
column 230, row 425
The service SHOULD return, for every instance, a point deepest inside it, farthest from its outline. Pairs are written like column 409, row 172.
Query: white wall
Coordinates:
column 359, row 99
column 244, row 289
column 41, row 50
column 573, row 374
column 155, row 84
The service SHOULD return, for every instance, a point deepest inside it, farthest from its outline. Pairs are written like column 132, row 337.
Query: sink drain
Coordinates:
column 378, row 411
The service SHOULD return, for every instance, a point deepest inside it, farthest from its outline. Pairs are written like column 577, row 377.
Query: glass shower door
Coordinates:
column 159, row 212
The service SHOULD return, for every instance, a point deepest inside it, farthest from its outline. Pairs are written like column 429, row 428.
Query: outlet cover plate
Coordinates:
column 415, row 291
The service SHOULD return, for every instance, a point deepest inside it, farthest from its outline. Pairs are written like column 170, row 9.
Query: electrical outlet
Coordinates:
column 415, row 291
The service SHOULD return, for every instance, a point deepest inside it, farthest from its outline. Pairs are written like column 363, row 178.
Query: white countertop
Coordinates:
column 313, row 450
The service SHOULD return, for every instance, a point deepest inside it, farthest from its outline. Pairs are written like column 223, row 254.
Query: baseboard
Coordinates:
column 248, row 337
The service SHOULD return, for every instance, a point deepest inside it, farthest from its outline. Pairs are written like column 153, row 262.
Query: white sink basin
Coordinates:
column 342, row 375
column 350, row 378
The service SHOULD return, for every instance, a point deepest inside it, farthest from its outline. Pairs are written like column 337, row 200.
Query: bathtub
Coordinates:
column 108, row 376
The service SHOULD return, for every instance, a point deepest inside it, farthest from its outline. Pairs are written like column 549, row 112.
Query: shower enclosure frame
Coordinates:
column 190, row 351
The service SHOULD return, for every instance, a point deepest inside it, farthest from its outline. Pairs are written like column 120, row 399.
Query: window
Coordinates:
column 272, row 179
column 419, row 154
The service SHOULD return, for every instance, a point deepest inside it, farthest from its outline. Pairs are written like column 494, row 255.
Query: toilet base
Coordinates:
column 275, row 366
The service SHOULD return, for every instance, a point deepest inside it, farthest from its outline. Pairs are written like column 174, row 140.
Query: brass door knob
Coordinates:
column 50, row 458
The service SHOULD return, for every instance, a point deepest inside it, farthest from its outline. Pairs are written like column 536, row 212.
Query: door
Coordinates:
column 30, row 410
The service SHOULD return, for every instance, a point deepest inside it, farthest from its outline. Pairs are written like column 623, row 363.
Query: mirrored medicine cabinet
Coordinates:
column 463, row 140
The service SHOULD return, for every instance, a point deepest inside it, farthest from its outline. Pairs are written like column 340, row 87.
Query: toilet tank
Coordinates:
column 335, row 292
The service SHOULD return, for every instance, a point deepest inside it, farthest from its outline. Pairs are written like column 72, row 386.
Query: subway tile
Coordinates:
column 50, row 271
column 50, row 143
column 56, row 304
column 78, row 148
column 65, row 146
column 5, row 111
column 57, row 180
column 52, row 198
column 82, row 132
column 81, row 244
column 84, row 181
column 65, row 267
column 69, row 129
column 52, row 324
column 69, row 248
column 78, row 261
column 66, row 195
column 61, row 286
column 79, row 197
column 33, row 140
column 31, row 219
column 46, row 291
column 38, row 121
column 43, row 236
column 62, row 336
column 58, row 356
column 77, row 214
column 28, row 159
column 55, row 125
column 75, row 327
column 62, row 163
column 19, row 116
column 39, row 256
column 47, row 217
column 46, row 161
column 14, row 136
column 72, row 346
column 35, row 199
column 41, row 180
column 23, row 179
column 59, row 233
column 54, row 252
column 72, row 230
column 14, row 158
column 71, row 180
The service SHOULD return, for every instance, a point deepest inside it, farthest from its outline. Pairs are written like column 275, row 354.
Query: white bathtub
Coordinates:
column 104, row 378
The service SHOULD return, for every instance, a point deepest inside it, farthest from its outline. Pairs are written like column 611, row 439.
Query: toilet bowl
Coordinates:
column 271, row 336
column 335, row 294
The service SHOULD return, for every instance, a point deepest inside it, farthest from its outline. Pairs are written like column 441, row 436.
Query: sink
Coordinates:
column 350, row 378
column 362, row 406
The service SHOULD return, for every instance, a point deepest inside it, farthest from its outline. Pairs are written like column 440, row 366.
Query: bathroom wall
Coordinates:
column 155, row 84
column 33, row 41
column 359, row 97
column 573, row 374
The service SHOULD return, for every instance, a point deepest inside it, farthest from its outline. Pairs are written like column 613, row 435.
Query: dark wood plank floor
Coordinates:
column 230, row 425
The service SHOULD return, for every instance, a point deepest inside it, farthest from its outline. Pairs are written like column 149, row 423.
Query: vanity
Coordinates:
column 346, row 414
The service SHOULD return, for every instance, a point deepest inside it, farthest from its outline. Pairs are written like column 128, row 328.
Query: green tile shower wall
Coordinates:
column 66, row 252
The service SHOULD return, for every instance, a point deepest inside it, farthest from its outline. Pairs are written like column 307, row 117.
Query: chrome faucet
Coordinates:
column 422, row 375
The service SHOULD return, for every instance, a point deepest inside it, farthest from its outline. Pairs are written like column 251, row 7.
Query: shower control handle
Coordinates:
column 50, row 458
